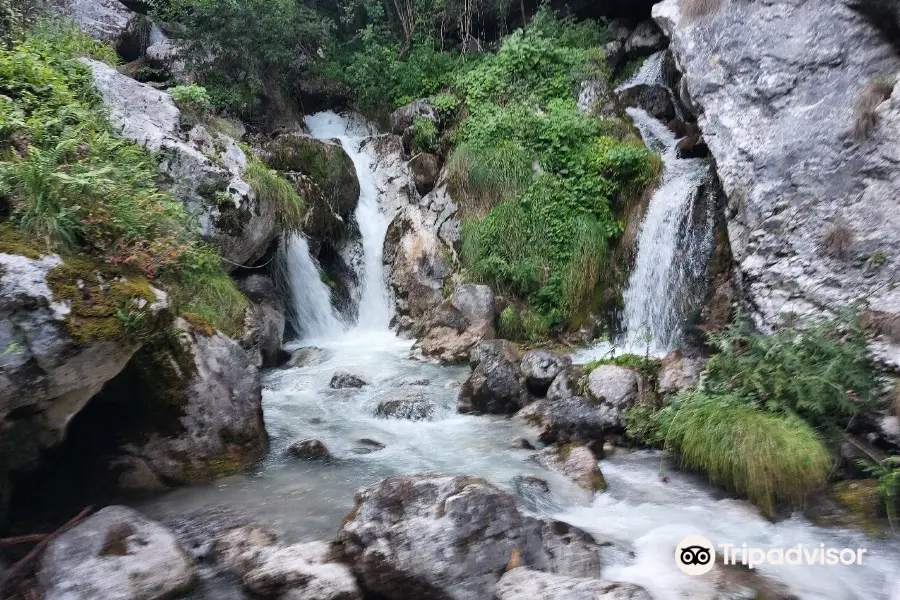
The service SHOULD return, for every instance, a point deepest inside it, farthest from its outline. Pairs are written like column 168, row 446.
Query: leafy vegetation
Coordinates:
column 191, row 98
column 274, row 188
column 888, row 474
column 71, row 186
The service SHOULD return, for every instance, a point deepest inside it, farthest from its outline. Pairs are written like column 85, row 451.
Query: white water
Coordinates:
column 311, row 312
column 306, row 500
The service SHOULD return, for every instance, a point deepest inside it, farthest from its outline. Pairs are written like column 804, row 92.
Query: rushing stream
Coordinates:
column 306, row 500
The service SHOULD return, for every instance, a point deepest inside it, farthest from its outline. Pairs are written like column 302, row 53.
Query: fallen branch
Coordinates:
column 23, row 539
column 19, row 567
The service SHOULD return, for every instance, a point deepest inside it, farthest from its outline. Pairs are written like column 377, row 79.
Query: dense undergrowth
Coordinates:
column 71, row 186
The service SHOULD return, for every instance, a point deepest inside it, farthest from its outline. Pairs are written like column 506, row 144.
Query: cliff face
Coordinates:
column 792, row 100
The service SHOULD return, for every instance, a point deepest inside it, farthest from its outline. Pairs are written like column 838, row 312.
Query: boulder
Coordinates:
column 527, row 584
column 463, row 320
column 205, row 171
column 425, row 169
column 540, row 368
column 104, row 20
column 301, row 572
column 367, row 446
column 342, row 380
column 680, row 370
column 615, row 389
column 305, row 357
column 577, row 463
column 60, row 342
column 308, row 449
column 406, row 405
column 116, row 554
column 403, row 118
column 195, row 410
column 646, row 39
column 265, row 321
column 567, row 417
column 653, row 98
column 496, row 385
column 431, row 536
column 241, row 549
column 760, row 105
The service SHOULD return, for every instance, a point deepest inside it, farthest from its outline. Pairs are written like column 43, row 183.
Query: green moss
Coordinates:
column 13, row 242
column 597, row 481
column 199, row 324
column 860, row 497
column 105, row 303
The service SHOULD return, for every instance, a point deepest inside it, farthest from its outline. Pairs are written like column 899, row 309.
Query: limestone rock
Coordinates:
column 264, row 331
column 526, row 584
column 116, row 554
column 431, row 536
column 496, row 385
column 577, row 463
column 104, row 20
column 772, row 82
column 425, row 169
column 309, row 449
column 204, row 170
column 342, row 380
column 540, row 368
column 405, row 404
column 616, row 389
column 461, row 321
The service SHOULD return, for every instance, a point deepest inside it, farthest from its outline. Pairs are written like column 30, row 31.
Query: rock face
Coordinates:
column 116, row 554
column 47, row 374
column 526, row 584
column 215, row 425
column 215, row 190
column 104, row 20
column 428, row 536
column 496, row 385
column 264, row 334
column 461, row 321
column 777, row 83
column 403, row 118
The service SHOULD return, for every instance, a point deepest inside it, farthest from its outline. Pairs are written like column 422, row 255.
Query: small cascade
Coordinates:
column 310, row 311
column 374, row 300
column 656, row 70
column 675, row 241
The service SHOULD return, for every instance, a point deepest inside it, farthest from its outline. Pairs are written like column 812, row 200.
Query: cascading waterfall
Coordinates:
column 309, row 311
column 374, row 300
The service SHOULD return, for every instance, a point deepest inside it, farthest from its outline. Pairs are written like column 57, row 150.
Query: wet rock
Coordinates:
column 496, row 385
column 534, row 493
column 522, row 443
column 205, row 171
column 429, row 536
column 414, row 407
column 413, row 382
column 655, row 99
column 425, row 169
column 577, row 463
column 305, row 357
column 692, row 146
column 309, row 449
column 680, row 370
column 115, row 554
column 889, row 428
column 462, row 321
column 615, row 53
column 540, row 368
column 344, row 380
column 404, row 117
column 240, row 549
column 367, row 446
column 527, row 584
column 264, row 333
column 646, row 39
column 300, row 572
column 615, row 389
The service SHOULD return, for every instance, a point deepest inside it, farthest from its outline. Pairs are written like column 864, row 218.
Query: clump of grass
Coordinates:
column 272, row 187
column 696, row 9
column 768, row 457
column 584, row 268
column 510, row 326
column 838, row 241
column 865, row 111
column 481, row 178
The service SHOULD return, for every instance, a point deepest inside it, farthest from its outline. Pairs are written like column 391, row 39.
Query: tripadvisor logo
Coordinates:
column 695, row 555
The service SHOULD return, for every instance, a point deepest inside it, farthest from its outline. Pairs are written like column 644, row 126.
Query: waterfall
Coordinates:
column 310, row 311
column 673, row 246
column 374, row 300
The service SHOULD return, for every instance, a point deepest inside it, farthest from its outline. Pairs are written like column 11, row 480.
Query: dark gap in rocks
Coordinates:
column 133, row 45
column 884, row 15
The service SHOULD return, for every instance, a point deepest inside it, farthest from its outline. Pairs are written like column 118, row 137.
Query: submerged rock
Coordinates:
column 496, row 385
column 367, row 446
column 406, row 405
column 577, row 463
column 343, row 380
column 431, row 536
column 116, row 554
column 305, row 357
column 526, row 584
column 308, row 449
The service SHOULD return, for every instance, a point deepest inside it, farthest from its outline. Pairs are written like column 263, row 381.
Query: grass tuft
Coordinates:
column 272, row 187
column 865, row 111
column 481, row 178
column 769, row 458
column 838, row 241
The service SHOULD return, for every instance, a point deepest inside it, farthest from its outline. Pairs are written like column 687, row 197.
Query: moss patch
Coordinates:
column 597, row 481
column 13, row 242
column 106, row 303
column 860, row 497
column 200, row 324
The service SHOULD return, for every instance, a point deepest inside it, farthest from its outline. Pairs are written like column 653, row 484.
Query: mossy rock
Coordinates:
column 106, row 302
column 12, row 241
column 858, row 496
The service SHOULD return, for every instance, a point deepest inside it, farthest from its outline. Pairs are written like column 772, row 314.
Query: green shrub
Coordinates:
column 888, row 474
column 425, row 135
column 480, row 178
column 640, row 426
column 768, row 457
column 645, row 364
column 191, row 98
column 274, row 188
column 820, row 372
column 510, row 326
column 537, row 327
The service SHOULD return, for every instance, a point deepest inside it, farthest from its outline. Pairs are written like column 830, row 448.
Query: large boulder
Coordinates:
column 61, row 341
column 781, row 81
column 496, row 385
column 431, row 536
column 205, row 171
column 527, row 584
column 104, row 20
column 540, row 368
column 425, row 169
column 116, row 554
column 460, row 322
column 615, row 389
column 196, row 413
column 406, row 404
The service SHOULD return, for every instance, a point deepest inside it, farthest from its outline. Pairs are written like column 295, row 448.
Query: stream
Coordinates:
column 306, row 500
